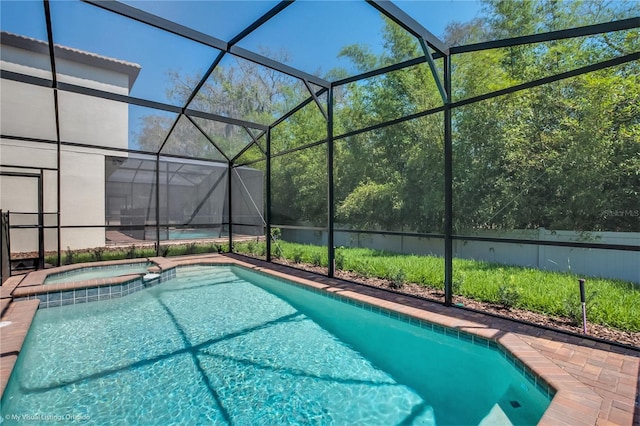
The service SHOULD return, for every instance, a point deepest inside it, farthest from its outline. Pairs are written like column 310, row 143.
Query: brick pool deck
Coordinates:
column 596, row 383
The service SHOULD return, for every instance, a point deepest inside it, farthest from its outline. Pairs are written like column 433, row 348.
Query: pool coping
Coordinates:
column 579, row 399
column 37, row 278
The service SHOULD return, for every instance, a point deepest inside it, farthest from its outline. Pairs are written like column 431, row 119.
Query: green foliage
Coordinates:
column 69, row 256
column 371, row 205
column 251, row 247
column 98, row 253
column 146, row 252
column 613, row 303
column 114, row 255
column 178, row 250
column 277, row 253
column 276, row 234
column 563, row 155
column 508, row 296
column 316, row 258
column 190, row 248
column 131, row 252
column 339, row 258
column 297, row 256
column 83, row 257
column 397, row 278
column 573, row 307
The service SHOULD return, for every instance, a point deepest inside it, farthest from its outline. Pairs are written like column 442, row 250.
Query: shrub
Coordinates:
column 131, row 252
column 69, row 256
column 251, row 247
column 164, row 251
column 339, row 259
column 573, row 307
column 508, row 296
column 397, row 278
column 316, row 258
column 97, row 253
column 297, row 256
column 191, row 248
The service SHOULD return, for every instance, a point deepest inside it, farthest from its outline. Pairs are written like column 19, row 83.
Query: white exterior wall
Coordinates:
column 28, row 111
column 29, row 154
column 82, row 200
column 95, row 121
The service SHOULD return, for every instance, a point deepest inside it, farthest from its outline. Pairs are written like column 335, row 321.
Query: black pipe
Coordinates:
column 583, row 300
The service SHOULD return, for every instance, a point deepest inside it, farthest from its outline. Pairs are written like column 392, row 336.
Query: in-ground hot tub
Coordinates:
column 86, row 273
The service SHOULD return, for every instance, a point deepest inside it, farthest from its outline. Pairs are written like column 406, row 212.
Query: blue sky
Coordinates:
column 310, row 31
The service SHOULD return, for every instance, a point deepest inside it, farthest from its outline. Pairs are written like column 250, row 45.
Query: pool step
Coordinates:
column 511, row 403
column 496, row 417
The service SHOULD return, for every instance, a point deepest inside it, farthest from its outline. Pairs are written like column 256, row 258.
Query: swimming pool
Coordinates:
column 94, row 272
column 220, row 345
column 186, row 234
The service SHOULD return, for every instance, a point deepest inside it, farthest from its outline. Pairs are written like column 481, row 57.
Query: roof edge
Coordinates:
column 63, row 52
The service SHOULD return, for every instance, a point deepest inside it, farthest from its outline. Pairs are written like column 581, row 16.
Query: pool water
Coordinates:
column 91, row 272
column 186, row 234
column 224, row 345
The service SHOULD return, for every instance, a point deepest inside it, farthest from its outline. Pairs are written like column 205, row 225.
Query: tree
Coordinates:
column 564, row 155
column 558, row 156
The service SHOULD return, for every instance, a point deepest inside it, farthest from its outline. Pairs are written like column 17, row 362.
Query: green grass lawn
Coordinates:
column 612, row 303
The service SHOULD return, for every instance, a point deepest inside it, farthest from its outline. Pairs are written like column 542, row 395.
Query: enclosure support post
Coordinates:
column 166, row 199
column 157, row 204
column 268, row 195
column 41, row 220
column 330, row 242
column 448, row 188
column 54, row 75
column 58, row 194
column 5, row 267
column 229, row 200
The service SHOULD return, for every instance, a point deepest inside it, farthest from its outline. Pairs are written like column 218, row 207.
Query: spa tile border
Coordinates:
column 71, row 293
column 80, row 292
column 37, row 278
column 115, row 267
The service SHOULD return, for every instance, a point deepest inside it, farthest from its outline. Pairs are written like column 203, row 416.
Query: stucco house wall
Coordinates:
column 27, row 114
